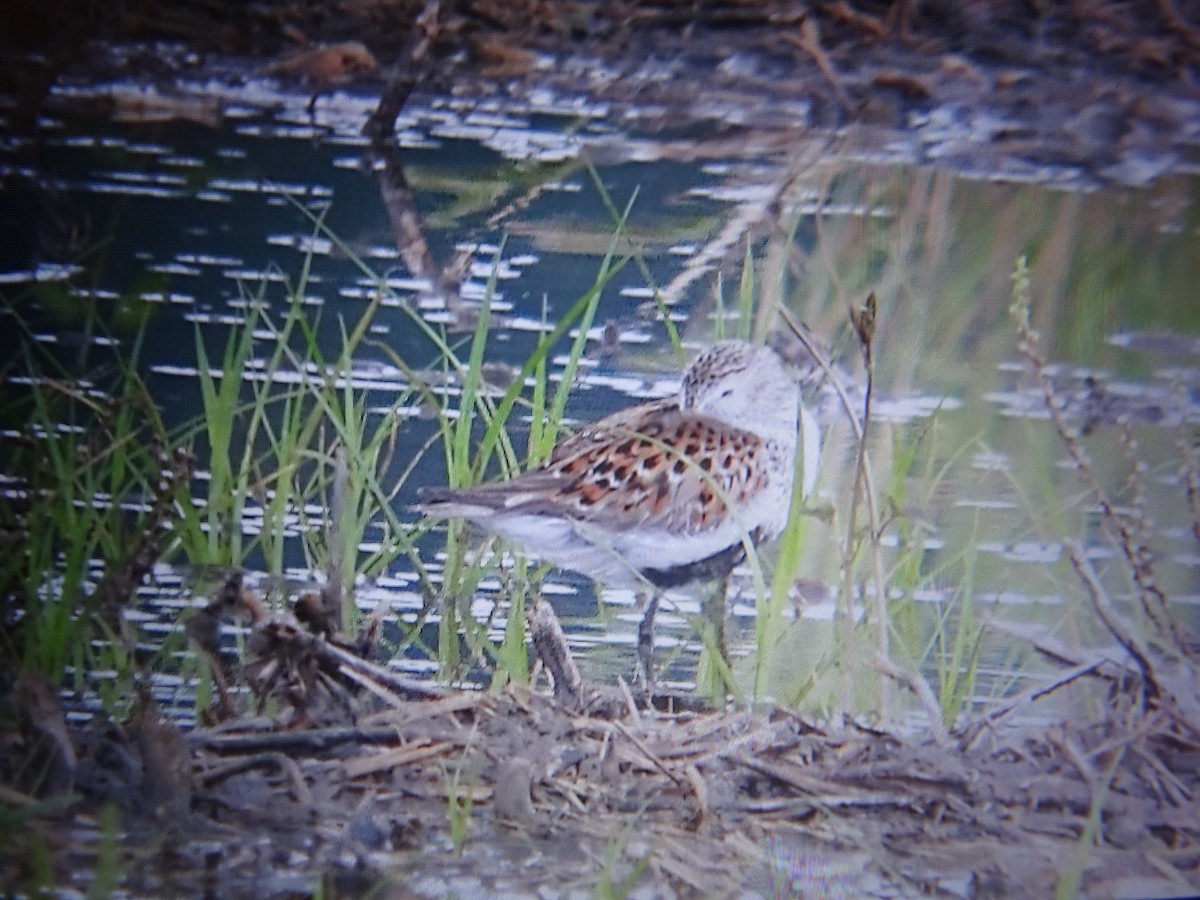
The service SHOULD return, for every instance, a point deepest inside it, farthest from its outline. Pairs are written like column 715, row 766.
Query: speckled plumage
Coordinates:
column 660, row 487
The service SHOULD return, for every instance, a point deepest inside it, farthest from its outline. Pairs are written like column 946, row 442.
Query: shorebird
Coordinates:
column 662, row 494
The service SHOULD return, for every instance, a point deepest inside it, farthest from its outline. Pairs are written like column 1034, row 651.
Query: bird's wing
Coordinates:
column 654, row 466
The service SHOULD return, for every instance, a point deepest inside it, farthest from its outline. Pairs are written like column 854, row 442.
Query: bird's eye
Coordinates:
column 728, row 392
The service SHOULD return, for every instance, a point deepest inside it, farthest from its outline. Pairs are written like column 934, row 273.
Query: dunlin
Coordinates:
column 661, row 494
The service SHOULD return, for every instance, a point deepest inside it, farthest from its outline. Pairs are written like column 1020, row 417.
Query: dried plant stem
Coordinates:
column 826, row 368
column 969, row 736
column 1136, row 482
column 920, row 687
column 1153, row 601
column 1123, row 631
column 331, row 592
column 1191, row 467
column 863, row 320
column 864, row 482
column 551, row 645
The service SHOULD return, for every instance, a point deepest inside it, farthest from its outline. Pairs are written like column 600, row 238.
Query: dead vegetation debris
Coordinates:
column 712, row 794
column 424, row 793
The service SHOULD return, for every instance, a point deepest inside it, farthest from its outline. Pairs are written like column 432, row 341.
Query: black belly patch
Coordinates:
column 718, row 565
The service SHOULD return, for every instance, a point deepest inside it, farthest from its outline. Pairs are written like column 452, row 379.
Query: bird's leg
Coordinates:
column 645, row 644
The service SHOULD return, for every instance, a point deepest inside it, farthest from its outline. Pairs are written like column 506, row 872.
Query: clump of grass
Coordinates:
column 468, row 455
column 459, row 799
column 89, row 483
column 460, row 783
column 94, row 485
column 215, row 534
column 294, row 434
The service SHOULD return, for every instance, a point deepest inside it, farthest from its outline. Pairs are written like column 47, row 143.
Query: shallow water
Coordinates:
column 185, row 224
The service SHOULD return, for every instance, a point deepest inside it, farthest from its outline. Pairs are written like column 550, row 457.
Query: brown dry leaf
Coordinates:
column 809, row 40
column 1155, row 51
column 843, row 12
column 1011, row 78
column 960, row 66
column 329, row 63
column 909, row 86
column 501, row 57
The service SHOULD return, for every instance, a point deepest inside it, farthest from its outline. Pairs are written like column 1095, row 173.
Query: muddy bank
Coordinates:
column 1090, row 94
column 362, row 781
column 515, row 794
